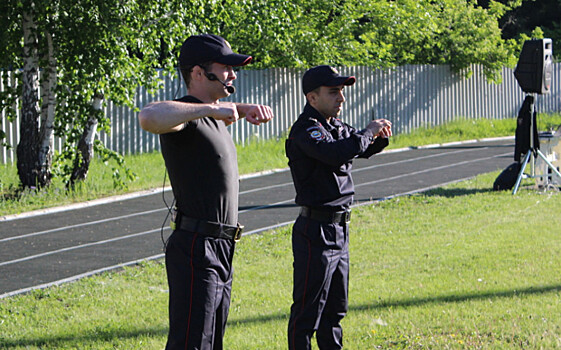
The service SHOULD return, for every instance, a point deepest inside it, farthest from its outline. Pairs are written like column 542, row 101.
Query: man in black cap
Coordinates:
column 320, row 149
column 200, row 157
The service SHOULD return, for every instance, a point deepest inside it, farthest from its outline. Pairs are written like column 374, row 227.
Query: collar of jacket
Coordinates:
column 312, row 113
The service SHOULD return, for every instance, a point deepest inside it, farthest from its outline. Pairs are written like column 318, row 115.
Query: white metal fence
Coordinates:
column 410, row 96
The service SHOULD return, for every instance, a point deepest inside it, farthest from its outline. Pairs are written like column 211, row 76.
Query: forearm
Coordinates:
column 167, row 116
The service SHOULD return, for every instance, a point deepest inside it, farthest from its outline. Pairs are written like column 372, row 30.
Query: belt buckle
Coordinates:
column 238, row 233
column 347, row 216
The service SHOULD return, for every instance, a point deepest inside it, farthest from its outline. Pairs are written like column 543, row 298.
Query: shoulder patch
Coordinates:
column 315, row 133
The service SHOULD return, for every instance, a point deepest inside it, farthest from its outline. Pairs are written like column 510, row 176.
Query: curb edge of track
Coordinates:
column 144, row 193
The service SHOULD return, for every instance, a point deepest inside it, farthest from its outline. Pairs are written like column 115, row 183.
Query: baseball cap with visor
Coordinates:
column 200, row 49
column 324, row 76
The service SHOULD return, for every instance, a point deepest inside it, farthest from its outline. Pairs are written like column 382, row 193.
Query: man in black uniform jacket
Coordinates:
column 201, row 160
column 320, row 149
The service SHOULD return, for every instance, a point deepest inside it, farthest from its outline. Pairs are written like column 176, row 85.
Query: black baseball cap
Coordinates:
column 324, row 76
column 204, row 48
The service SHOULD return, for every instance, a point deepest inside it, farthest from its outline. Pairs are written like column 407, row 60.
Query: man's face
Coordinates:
column 327, row 100
column 225, row 74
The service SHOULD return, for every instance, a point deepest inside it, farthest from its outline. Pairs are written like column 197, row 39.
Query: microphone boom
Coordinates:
column 212, row 77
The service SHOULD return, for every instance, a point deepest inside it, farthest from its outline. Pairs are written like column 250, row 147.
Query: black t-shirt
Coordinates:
column 203, row 169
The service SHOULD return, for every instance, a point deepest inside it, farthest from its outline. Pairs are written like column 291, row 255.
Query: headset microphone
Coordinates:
column 213, row 77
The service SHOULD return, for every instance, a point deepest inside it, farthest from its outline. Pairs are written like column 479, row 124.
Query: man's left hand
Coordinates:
column 255, row 114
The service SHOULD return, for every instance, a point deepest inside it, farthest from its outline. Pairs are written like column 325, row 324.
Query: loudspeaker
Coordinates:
column 534, row 69
column 507, row 178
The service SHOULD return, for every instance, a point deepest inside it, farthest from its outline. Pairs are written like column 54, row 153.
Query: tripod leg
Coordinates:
column 521, row 173
column 551, row 166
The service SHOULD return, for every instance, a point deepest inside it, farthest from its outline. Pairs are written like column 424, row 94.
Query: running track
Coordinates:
column 62, row 244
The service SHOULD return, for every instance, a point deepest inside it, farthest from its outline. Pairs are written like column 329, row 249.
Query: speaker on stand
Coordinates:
column 533, row 72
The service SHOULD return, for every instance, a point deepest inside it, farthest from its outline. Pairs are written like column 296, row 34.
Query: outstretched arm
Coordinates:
column 168, row 116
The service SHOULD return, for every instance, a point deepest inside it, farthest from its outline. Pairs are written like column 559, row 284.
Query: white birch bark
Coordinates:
column 86, row 143
column 48, row 97
column 27, row 147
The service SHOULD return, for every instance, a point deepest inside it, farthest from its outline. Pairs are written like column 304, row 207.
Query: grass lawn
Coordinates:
column 460, row 267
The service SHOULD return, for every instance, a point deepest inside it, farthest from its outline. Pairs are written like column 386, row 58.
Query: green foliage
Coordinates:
column 527, row 15
column 458, row 33
column 109, row 48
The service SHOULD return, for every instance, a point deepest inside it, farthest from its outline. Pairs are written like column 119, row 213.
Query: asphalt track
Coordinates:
column 55, row 246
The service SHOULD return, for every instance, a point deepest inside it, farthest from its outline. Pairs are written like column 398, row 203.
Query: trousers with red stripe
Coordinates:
column 321, row 279
column 199, row 271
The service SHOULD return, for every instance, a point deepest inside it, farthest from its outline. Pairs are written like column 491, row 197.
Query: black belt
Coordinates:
column 207, row 228
column 333, row 217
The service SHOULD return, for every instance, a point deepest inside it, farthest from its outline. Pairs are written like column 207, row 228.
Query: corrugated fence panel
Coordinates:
column 410, row 96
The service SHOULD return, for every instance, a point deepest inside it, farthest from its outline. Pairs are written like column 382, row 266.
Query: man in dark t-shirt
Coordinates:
column 201, row 160
column 202, row 164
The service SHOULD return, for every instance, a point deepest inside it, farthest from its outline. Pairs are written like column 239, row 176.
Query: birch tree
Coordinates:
column 81, row 53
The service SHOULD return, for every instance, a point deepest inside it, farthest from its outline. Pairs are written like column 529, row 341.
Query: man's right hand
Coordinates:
column 380, row 128
column 227, row 112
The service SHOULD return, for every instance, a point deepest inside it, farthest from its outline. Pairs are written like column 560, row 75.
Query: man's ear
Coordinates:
column 197, row 73
column 311, row 97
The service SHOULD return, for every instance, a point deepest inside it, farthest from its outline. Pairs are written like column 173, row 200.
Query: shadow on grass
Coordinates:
column 88, row 337
column 109, row 336
column 436, row 192
column 268, row 206
column 455, row 192
column 413, row 302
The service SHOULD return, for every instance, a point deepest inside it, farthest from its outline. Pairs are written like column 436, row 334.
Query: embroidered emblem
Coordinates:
column 316, row 134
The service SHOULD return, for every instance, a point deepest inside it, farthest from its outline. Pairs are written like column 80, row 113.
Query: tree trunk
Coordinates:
column 48, row 97
column 85, row 145
column 28, row 170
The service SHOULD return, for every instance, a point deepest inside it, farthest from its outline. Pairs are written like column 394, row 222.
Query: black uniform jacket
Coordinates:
column 320, row 156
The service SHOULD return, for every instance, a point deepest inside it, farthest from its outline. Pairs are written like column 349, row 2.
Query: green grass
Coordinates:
column 255, row 157
column 468, row 129
column 460, row 267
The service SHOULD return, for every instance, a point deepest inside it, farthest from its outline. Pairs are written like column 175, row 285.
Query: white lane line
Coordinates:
column 77, row 277
column 356, row 170
column 390, row 179
column 90, row 273
column 89, row 223
column 241, row 212
column 431, row 169
column 79, row 246
column 266, row 206
column 417, row 159
column 81, row 205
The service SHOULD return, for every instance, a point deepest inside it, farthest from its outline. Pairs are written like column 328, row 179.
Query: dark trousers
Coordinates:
column 321, row 280
column 199, row 271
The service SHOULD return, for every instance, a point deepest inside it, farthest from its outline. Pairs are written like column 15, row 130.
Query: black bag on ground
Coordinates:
column 507, row 178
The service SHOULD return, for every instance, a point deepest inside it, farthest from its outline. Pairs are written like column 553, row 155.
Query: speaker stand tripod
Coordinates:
column 531, row 155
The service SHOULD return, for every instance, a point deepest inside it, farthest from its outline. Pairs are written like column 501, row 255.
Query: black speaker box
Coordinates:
column 534, row 69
